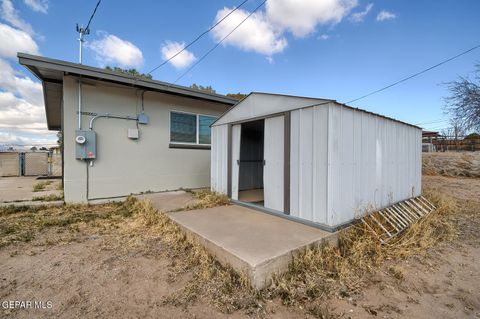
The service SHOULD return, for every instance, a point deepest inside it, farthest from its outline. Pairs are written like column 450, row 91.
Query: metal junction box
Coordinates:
column 85, row 145
column 132, row 133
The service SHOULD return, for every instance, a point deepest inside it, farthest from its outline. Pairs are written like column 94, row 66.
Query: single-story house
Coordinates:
column 124, row 135
column 313, row 160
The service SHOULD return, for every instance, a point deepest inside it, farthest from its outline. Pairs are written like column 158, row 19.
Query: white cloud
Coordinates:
column 37, row 5
column 184, row 59
column 264, row 32
column 386, row 15
column 27, row 138
column 112, row 49
column 360, row 16
column 302, row 17
column 323, row 37
column 17, row 112
column 19, row 85
column 13, row 41
column 22, row 113
column 10, row 14
column 255, row 34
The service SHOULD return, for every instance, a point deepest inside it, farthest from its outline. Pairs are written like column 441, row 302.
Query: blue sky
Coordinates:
column 338, row 49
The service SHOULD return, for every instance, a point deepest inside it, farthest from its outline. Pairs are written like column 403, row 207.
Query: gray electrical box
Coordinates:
column 142, row 118
column 85, row 145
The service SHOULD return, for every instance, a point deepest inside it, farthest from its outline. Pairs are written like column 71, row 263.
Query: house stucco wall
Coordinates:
column 124, row 166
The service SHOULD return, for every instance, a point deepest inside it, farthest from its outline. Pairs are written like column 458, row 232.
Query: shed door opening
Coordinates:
column 250, row 163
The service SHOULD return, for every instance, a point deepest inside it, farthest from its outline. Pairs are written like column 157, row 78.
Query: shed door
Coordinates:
column 236, row 133
column 273, row 172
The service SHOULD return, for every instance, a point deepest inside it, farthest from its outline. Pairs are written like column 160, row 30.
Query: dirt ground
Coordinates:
column 97, row 274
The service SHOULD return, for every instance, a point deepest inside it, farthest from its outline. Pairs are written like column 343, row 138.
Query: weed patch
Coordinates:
column 40, row 186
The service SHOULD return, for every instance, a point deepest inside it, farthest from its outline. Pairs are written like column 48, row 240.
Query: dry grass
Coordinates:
column 40, row 186
column 313, row 276
column 24, row 223
column 319, row 272
column 466, row 164
column 207, row 199
column 221, row 285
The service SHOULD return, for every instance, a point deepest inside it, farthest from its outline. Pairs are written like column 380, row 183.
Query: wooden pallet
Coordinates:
column 393, row 220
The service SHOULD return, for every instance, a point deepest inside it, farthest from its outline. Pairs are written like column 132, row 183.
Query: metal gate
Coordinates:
column 9, row 164
column 35, row 163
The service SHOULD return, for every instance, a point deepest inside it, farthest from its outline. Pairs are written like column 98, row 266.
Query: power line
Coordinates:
column 216, row 45
column 414, row 75
column 433, row 122
column 93, row 14
column 198, row 37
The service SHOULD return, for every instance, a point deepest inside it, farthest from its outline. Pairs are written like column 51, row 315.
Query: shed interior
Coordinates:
column 251, row 162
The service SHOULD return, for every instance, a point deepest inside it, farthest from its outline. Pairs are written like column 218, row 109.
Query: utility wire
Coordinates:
column 218, row 43
column 433, row 122
column 93, row 14
column 414, row 75
column 198, row 37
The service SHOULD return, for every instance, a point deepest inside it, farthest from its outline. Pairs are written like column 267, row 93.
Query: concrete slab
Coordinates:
column 16, row 189
column 169, row 201
column 250, row 241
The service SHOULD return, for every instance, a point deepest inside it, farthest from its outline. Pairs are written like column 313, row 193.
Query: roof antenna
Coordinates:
column 81, row 33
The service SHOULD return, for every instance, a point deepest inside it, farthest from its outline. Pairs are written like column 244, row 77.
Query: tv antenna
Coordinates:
column 82, row 32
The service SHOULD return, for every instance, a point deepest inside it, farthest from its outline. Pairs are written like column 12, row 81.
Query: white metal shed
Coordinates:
column 313, row 160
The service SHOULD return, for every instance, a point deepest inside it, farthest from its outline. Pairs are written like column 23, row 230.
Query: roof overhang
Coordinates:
column 51, row 73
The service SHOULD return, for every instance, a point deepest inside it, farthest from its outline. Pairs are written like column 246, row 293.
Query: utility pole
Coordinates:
column 81, row 33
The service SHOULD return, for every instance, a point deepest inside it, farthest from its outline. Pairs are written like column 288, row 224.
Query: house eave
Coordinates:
column 51, row 72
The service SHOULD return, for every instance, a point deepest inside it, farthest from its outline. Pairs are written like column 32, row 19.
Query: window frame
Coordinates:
column 197, row 143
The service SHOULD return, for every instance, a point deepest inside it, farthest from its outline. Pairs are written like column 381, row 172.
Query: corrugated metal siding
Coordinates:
column 9, row 164
column 373, row 162
column 236, row 134
column 308, row 163
column 219, row 159
column 273, row 172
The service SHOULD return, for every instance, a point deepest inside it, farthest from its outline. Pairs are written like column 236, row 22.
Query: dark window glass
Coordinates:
column 204, row 123
column 183, row 128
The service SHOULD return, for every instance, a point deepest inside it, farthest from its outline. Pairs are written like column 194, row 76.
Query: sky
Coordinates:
column 336, row 49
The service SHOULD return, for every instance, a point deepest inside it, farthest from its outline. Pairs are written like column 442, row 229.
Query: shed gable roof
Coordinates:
column 260, row 105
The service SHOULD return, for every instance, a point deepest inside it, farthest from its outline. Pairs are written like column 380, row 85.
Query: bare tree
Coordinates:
column 463, row 104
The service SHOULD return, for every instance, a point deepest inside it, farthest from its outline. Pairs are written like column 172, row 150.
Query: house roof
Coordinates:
column 51, row 72
column 272, row 103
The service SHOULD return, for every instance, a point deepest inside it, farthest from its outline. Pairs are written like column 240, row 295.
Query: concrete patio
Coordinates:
column 250, row 241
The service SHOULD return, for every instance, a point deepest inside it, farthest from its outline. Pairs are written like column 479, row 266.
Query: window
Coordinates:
column 183, row 128
column 204, row 134
column 187, row 128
